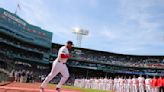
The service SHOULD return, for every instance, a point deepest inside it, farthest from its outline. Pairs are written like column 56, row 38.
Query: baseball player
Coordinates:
column 96, row 83
column 141, row 81
column 125, row 83
column 121, row 84
column 129, row 85
column 154, row 84
column 163, row 83
column 59, row 66
column 116, row 83
column 75, row 82
column 91, row 83
column 160, row 83
column 100, row 84
column 82, row 83
column 134, row 84
column 88, row 83
column 110, row 83
column 105, row 83
column 148, row 84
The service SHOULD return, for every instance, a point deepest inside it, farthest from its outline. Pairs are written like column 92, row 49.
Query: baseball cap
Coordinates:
column 70, row 42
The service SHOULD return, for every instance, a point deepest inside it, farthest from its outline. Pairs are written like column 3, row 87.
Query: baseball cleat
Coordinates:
column 58, row 89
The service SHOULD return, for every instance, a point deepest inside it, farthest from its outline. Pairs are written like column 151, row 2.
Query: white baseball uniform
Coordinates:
column 76, row 82
column 141, row 81
column 82, row 83
column 100, row 84
column 87, row 83
column 125, row 84
column 121, row 85
column 116, row 83
column 104, row 83
column 91, row 83
column 110, row 84
column 96, row 83
column 134, row 85
column 129, row 85
column 148, row 84
column 58, row 66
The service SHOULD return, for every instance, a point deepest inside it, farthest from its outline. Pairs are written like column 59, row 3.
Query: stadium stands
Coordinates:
column 115, row 59
column 24, row 48
column 111, row 62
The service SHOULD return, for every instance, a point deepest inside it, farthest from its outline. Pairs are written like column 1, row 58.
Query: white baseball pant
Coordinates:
column 148, row 88
column 57, row 67
column 141, row 88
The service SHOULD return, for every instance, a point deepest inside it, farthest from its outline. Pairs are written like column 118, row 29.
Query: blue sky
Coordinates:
column 121, row 26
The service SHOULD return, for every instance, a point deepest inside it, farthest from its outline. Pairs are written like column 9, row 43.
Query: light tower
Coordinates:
column 79, row 34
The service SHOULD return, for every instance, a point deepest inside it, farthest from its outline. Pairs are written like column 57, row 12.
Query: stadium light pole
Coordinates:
column 79, row 34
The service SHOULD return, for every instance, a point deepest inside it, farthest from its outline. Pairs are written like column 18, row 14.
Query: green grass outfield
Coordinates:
column 80, row 89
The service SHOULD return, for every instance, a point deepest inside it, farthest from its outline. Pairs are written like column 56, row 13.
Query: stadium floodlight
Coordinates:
column 79, row 34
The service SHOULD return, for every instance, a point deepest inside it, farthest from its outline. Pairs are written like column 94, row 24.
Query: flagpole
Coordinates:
column 16, row 10
column 17, row 7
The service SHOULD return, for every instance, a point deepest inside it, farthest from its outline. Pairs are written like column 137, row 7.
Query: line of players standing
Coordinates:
column 22, row 76
column 120, row 84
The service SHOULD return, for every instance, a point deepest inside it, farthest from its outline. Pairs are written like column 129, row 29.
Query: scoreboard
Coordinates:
column 12, row 24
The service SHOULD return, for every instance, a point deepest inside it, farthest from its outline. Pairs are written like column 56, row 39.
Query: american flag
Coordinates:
column 18, row 6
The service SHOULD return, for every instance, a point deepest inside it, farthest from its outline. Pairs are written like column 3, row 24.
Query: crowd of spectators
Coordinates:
column 115, row 69
column 23, row 45
column 122, row 60
column 22, row 72
column 115, row 59
column 9, row 51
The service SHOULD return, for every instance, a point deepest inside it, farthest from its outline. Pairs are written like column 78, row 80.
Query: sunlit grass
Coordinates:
column 80, row 89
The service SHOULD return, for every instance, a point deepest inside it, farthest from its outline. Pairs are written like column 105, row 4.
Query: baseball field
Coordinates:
column 34, row 87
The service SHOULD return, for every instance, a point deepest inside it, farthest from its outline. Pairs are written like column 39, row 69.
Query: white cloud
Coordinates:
column 138, row 11
column 111, row 35
column 37, row 13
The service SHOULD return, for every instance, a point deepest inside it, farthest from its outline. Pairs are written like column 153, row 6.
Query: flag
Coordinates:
column 18, row 6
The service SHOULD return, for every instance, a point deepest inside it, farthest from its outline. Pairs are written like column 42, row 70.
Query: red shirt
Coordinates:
column 65, row 56
column 160, row 82
column 163, row 82
column 154, row 82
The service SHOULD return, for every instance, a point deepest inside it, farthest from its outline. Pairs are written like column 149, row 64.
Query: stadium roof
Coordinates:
column 113, row 52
